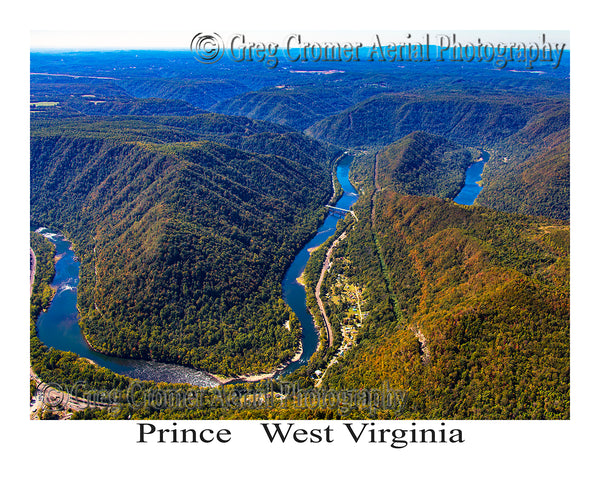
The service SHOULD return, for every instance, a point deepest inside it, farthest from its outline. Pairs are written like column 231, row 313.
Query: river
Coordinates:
column 58, row 327
column 294, row 294
column 472, row 189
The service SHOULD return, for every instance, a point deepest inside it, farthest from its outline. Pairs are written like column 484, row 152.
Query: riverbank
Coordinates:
column 258, row 377
column 301, row 279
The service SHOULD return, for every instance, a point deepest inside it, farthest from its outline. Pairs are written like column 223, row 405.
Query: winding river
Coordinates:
column 294, row 293
column 58, row 327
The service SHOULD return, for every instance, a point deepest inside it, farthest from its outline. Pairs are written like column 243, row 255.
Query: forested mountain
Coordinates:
column 294, row 107
column 475, row 320
column 533, row 176
column 202, row 93
column 469, row 119
column 424, row 164
column 151, row 106
column 183, row 241
column 254, row 136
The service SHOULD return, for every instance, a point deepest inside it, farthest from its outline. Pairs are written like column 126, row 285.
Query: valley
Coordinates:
column 189, row 195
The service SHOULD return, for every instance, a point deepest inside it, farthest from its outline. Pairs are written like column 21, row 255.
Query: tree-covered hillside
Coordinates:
column 481, row 327
column 424, row 164
column 183, row 242
column 474, row 120
column 533, row 175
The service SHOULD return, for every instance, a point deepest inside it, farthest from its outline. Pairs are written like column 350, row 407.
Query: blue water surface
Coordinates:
column 472, row 189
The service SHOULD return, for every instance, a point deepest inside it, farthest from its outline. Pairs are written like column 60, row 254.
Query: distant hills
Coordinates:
column 469, row 119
